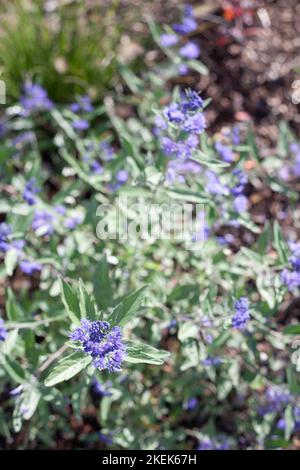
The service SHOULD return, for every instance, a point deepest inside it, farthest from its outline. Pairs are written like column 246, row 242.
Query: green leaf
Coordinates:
column 279, row 244
column 102, row 285
column 70, row 301
column 197, row 66
column 67, row 367
column 11, row 259
column 127, row 308
column 86, row 303
column 13, row 310
column 143, row 353
column 292, row 330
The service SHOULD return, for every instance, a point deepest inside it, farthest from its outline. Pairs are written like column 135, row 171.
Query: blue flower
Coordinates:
column 23, row 138
column 193, row 101
column 103, row 343
column 73, row 221
column 242, row 180
column 212, row 361
column 208, row 443
column 174, row 114
column 42, row 223
column 188, row 24
column 242, row 316
column 240, row 203
column 101, row 390
column 225, row 152
column 35, row 98
column 16, row 391
column 30, row 267
column 291, row 276
column 190, row 51
column 168, row 40
column 29, row 192
column 80, row 125
column 191, row 404
column 3, row 331
column 277, row 398
column 83, row 104
column 195, row 123
column 122, row 176
column 5, row 231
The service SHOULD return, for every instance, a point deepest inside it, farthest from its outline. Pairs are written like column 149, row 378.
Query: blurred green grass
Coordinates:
column 70, row 49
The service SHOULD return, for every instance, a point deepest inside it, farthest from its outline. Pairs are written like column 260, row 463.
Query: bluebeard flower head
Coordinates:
column 213, row 184
column 103, row 343
column 101, row 390
column 242, row 316
column 168, row 40
column 72, row 221
column 160, row 123
column 42, row 223
column 23, row 138
column 16, row 391
column 83, row 104
column 2, row 129
column 31, row 189
column 122, row 176
column 212, row 361
column 191, row 404
column 193, row 101
column 35, row 98
column 240, row 204
column 3, row 331
column 30, row 267
column 242, row 180
column 225, row 152
column 190, row 51
column 276, row 398
column 5, row 232
column 195, row 123
column 188, row 23
column 80, row 125
column 174, row 114
column 208, row 443
column 106, row 439
column 183, row 69
column 60, row 209
column 107, row 151
column 235, row 134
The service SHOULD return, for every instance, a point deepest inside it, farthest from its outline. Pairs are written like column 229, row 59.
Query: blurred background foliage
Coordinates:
column 69, row 47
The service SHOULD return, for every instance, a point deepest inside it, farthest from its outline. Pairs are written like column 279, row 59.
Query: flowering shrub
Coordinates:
column 158, row 342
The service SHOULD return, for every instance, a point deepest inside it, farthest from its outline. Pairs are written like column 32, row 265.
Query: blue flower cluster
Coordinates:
column 242, row 316
column 276, row 398
column 189, row 50
column 31, row 189
column 35, row 98
column 291, row 276
column 6, row 243
column 82, row 105
column 208, row 443
column 103, row 343
column 3, row 331
column 185, row 119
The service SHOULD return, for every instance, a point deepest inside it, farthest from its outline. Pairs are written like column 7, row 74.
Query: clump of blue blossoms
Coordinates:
column 3, row 331
column 242, row 316
column 178, row 129
column 291, row 275
column 103, row 343
column 30, row 191
column 276, row 398
column 35, row 98
column 208, row 443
